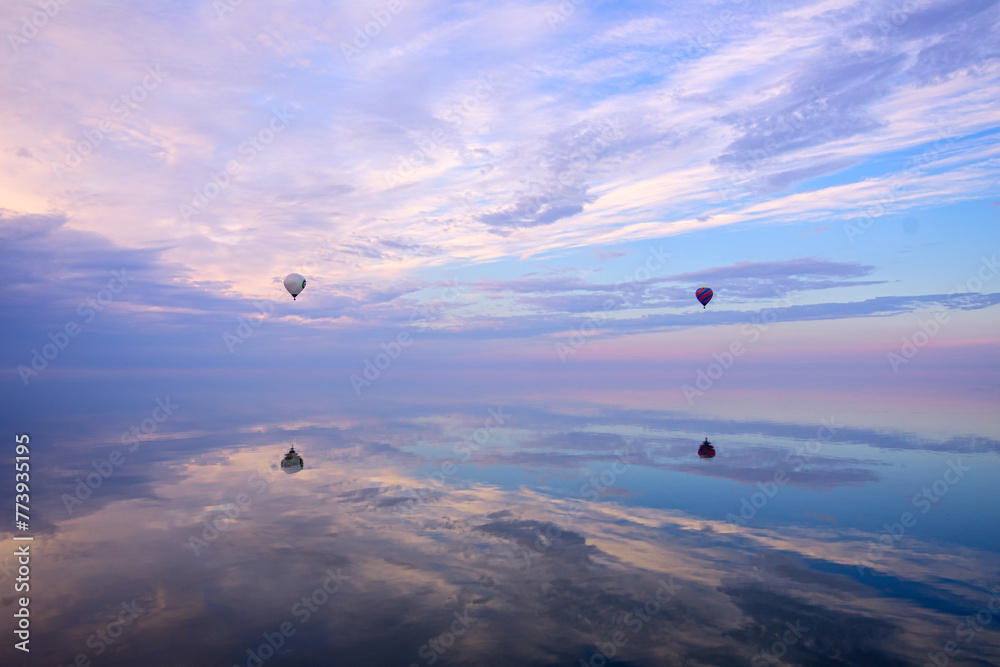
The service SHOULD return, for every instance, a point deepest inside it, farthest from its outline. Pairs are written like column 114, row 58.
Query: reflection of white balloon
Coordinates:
column 292, row 462
column 294, row 283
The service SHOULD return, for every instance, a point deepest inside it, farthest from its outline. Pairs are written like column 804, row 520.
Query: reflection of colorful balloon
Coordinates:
column 294, row 283
column 706, row 451
column 704, row 295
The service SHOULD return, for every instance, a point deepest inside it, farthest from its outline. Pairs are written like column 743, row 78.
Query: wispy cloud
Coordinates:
column 829, row 88
column 474, row 143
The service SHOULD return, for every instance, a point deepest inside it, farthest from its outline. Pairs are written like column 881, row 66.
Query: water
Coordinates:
column 515, row 533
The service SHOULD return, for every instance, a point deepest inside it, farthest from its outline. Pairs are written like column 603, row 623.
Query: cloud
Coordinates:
column 827, row 635
column 804, row 267
column 495, row 162
column 164, row 317
column 527, row 213
column 783, row 180
column 771, row 279
column 18, row 226
column 563, row 545
column 321, row 192
column 389, row 249
column 741, row 281
column 809, row 116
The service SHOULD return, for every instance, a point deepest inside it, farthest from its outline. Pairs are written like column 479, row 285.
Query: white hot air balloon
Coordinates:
column 294, row 283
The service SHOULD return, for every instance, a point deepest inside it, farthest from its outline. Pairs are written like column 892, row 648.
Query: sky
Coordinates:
column 528, row 192
column 504, row 208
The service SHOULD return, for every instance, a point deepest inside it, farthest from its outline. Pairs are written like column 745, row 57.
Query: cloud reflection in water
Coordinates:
column 507, row 561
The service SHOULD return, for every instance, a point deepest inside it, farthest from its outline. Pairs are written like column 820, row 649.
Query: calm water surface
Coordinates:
column 518, row 533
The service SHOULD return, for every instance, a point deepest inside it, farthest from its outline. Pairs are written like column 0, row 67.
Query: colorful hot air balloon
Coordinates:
column 704, row 295
column 294, row 283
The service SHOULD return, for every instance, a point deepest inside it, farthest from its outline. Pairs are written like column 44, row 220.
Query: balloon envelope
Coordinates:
column 706, row 452
column 704, row 295
column 294, row 283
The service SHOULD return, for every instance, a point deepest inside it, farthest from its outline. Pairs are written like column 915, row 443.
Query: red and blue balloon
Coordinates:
column 706, row 451
column 704, row 295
